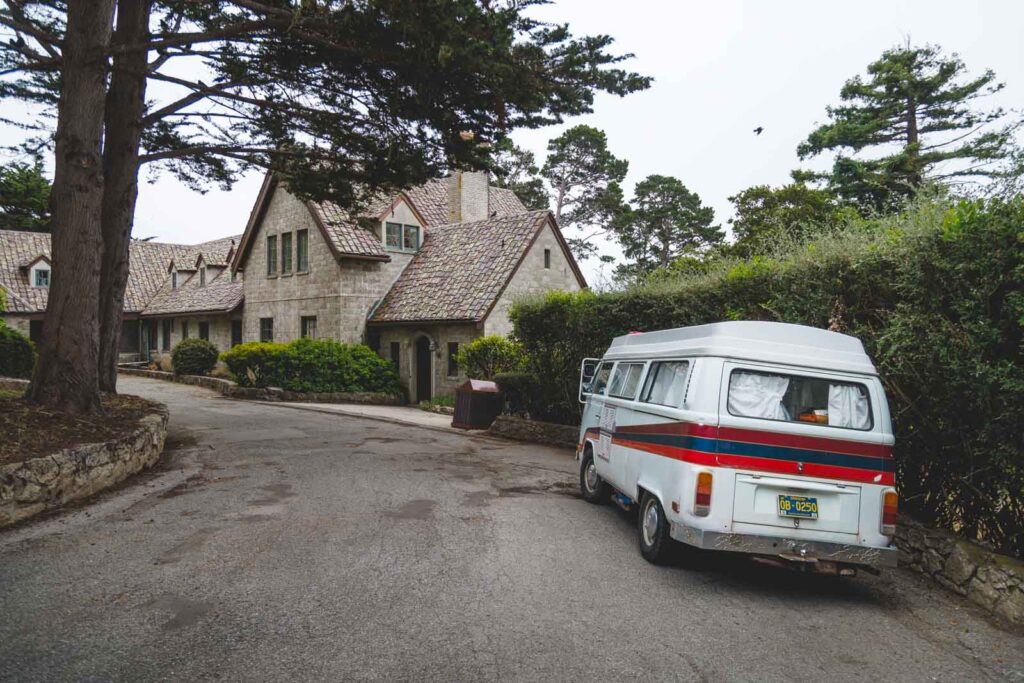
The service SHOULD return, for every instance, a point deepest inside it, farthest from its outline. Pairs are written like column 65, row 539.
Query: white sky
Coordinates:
column 721, row 69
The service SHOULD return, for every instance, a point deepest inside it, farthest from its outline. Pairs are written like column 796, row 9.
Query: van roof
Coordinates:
column 769, row 342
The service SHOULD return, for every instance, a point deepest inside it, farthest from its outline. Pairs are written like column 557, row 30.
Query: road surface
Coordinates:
column 274, row 543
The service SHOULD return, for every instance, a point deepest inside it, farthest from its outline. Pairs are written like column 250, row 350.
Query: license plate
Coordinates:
column 798, row 506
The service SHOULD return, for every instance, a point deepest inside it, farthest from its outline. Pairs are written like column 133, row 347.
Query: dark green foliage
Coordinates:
column 193, row 357
column 24, row 198
column 585, row 179
column 17, row 353
column 311, row 365
column 520, row 390
column 766, row 217
column 937, row 296
column 916, row 101
column 664, row 222
column 516, row 169
column 485, row 357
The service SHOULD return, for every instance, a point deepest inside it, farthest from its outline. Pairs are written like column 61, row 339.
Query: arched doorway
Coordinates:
column 423, row 370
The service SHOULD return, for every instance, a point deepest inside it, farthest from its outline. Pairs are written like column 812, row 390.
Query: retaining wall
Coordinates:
column 40, row 484
column 550, row 434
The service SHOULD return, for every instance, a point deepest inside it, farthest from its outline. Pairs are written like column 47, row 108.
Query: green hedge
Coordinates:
column 193, row 357
column 937, row 296
column 17, row 353
column 486, row 357
column 311, row 365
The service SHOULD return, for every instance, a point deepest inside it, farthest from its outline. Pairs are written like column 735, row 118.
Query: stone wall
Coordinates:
column 547, row 433
column 533, row 278
column 443, row 383
column 228, row 388
column 34, row 486
column 994, row 581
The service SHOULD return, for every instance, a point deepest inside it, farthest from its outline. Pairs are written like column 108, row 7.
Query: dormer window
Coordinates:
column 399, row 237
column 41, row 277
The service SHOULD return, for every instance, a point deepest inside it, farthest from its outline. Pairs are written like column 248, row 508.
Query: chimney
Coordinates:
column 468, row 196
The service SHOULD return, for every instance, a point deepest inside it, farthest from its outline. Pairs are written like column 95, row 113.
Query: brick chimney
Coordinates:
column 467, row 196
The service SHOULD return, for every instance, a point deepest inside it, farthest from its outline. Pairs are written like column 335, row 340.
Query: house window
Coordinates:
column 42, row 278
column 400, row 237
column 204, row 331
column 453, row 366
column 286, row 253
column 308, row 325
column 236, row 332
column 165, row 334
column 184, row 330
column 547, row 259
column 396, row 354
column 266, row 329
column 271, row 255
column 174, row 280
column 35, row 330
column 202, row 276
column 302, row 251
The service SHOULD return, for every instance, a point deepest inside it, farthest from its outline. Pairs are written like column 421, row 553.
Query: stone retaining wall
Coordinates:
column 228, row 388
column 994, row 581
column 550, row 434
column 13, row 384
column 33, row 486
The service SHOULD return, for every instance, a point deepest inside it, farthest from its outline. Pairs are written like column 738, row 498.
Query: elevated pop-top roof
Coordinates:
column 796, row 345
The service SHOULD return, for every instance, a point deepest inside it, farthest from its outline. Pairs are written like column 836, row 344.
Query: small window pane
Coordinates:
column 453, row 366
column 202, row 276
column 308, row 324
column 393, row 235
column 625, row 380
column 396, row 355
column 42, row 278
column 266, row 329
column 236, row 332
column 666, row 383
column 271, row 255
column 204, row 331
column 412, row 238
column 286, row 253
column 600, row 381
column 547, row 259
column 302, row 251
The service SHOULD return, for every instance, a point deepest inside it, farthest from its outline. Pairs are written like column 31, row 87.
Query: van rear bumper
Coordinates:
column 786, row 548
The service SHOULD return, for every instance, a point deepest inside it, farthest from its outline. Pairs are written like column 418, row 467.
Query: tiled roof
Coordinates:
column 460, row 270
column 147, row 264
column 431, row 200
column 347, row 237
column 217, row 295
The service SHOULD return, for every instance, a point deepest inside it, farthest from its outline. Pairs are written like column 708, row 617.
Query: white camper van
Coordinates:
column 757, row 437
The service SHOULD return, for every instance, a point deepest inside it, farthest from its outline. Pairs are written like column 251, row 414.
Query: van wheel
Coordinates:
column 594, row 489
column 653, row 528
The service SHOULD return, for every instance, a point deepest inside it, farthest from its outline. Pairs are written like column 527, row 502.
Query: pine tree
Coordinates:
column 24, row 198
column 664, row 222
column 516, row 169
column 914, row 120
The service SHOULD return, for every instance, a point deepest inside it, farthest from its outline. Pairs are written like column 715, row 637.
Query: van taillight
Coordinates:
column 890, row 503
column 702, row 496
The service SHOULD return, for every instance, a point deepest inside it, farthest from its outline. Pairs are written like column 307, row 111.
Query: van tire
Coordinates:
column 653, row 530
column 593, row 488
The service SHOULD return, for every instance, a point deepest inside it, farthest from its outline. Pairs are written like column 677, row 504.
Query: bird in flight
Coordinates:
column 758, row 130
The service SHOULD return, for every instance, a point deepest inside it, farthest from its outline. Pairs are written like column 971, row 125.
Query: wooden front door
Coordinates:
column 423, row 369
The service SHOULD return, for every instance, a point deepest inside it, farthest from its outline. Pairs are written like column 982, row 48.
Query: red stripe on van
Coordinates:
column 761, row 464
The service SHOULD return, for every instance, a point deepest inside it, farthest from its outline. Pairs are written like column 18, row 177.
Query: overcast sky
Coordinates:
column 720, row 69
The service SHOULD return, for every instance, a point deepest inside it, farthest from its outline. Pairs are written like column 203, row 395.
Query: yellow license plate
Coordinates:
column 802, row 507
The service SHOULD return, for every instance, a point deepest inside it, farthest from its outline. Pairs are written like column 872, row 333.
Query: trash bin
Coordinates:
column 477, row 403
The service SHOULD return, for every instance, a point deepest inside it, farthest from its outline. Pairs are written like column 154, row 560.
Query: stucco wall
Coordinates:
column 532, row 277
column 443, row 384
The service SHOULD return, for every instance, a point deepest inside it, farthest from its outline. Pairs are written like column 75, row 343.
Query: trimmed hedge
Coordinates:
column 937, row 296
column 193, row 357
column 487, row 357
column 17, row 353
column 311, row 365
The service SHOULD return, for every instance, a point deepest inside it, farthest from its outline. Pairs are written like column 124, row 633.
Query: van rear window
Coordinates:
column 795, row 398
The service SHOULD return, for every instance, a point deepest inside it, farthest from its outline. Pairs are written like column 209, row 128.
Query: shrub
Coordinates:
column 17, row 354
column 521, row 394
column 311, row 365
column 193, row 357
column 935, row 293
column 486, row 357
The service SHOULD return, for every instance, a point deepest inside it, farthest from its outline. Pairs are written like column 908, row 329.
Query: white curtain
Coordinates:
column 753, row 394
column 848, row 407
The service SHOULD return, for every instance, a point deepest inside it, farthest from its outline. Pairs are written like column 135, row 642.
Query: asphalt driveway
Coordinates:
column 279, row 544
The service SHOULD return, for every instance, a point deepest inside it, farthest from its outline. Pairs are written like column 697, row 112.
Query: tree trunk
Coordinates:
column 126, row 103
column 65, row 377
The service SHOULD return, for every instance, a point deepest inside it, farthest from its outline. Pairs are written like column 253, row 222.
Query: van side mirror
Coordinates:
column 588, row 368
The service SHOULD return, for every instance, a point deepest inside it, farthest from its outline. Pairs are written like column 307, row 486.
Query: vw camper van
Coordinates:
column 756, row 437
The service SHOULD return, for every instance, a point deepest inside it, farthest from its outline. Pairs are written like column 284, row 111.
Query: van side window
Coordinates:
column 600, row 381
column 666, row 383
column 626, row 380
column 794, row 398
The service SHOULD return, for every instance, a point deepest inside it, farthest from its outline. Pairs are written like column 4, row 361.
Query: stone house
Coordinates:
column 420, row 274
